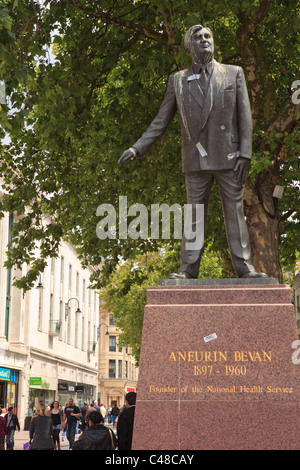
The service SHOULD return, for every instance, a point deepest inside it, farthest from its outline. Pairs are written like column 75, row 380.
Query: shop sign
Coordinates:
column 4, row 374
column 130, row 389
column 35, row 381
column 63, row 387
column 79, row 388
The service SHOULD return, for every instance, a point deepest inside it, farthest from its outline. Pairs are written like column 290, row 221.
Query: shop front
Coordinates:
column 66, row 390
column 79, row 392
column 85, row 394
column 40, row 390
column 9, row 388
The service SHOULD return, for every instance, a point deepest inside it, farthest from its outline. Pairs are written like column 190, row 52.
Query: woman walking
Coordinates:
column 55, row 414
column 41, row 430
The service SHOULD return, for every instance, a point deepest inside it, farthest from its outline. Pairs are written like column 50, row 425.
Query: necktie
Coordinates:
column 204, row 78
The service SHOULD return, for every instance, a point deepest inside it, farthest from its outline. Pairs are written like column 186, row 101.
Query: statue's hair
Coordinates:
column 190, row 32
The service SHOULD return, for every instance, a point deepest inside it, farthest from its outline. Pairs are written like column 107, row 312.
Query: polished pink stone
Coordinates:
column 240, row 390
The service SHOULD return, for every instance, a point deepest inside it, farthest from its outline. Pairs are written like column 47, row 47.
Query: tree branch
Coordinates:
column 144, row 31
column 287, row 119
column 256, row 63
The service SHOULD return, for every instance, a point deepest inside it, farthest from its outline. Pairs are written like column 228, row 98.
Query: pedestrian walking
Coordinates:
column 88, row 411
column 95, row 405
column 12, row 424
column 96, row 436
column 64, row 427
column 83, row 410
column 103, row 410
column 71, row 414
column 56, row 417
column 115, row 411
column 125, row 422
column 3, row 429
column 108, row 414
column 41, row 430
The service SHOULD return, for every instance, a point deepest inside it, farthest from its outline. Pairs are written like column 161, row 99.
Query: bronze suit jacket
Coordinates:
column 215, row 128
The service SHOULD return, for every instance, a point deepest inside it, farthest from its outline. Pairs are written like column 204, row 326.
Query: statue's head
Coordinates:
column 199, row 44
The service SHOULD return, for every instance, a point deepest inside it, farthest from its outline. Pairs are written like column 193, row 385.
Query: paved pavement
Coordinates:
column 21, row 437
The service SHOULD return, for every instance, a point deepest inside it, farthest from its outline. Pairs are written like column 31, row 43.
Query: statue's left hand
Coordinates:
column 241, row 170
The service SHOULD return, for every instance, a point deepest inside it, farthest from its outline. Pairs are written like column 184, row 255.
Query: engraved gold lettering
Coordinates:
column 267, row 356
column 167, row 389
column 223, row 356
column 279, row 389
column 198, row 356
column 207, row 356
column 191, row 356
column 221, row 389
column 254, row 389
column 253, row 356
column 181, row 355
column 172, row 357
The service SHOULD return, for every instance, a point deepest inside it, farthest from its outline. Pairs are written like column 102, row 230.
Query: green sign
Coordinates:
column 35, row 381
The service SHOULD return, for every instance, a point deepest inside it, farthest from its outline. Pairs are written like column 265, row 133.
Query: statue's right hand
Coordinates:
column 127, row 156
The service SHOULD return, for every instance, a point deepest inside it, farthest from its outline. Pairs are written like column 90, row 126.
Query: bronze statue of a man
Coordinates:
column 216, row 140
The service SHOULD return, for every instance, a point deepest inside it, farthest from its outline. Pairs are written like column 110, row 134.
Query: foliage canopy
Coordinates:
column 83, row 81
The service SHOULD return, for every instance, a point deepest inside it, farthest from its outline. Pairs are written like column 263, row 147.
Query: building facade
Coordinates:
column 48, row 336
column 118, row 373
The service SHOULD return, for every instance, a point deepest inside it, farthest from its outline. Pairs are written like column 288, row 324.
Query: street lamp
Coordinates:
column 67, row 307
column 40, row 284
column 98, row 329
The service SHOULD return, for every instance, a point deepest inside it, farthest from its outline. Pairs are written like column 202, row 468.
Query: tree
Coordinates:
column 85, row 78
column 125, row 295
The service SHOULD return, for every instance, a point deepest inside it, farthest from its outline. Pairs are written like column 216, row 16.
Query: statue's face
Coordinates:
column 201, row 46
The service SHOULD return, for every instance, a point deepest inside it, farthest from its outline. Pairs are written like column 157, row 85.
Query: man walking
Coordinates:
column 12, row 423
column 125, row 422
column 115, row 413
column 71, row 414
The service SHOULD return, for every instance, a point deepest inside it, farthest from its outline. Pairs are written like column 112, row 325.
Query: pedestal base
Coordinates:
column 218, row 368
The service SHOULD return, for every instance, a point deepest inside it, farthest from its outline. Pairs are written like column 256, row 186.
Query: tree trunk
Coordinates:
column 264, row 227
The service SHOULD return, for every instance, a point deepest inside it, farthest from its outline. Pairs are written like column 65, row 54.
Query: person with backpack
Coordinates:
column 96, row 436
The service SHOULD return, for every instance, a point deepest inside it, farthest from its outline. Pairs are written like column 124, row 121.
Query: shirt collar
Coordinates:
column 209, row 67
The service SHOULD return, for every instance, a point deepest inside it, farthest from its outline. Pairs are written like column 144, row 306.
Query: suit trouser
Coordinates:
column 198, row 187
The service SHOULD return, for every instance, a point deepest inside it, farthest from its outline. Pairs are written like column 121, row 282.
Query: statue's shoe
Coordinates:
column 182, row 275
column 253, row 274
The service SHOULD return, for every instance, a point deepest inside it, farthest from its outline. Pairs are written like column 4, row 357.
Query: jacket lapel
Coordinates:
column 216, row 85
column 205, row 102
column 183, row 91
column 193, row 87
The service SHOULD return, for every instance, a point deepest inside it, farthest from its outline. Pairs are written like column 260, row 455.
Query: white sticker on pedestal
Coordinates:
column 210, row 337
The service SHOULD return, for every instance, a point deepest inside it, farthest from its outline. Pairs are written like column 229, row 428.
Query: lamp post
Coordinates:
column 67, row 307
column 98, row 329
column 99, row 353
column 40, row 284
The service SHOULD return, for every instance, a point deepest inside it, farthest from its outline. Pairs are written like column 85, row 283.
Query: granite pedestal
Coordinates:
column 219, row 367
